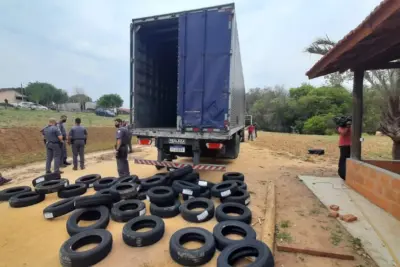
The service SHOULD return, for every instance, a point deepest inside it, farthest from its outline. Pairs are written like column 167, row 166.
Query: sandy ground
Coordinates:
column 301, row 219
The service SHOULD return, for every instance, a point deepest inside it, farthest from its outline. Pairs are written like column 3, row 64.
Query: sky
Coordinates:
column 85, row 43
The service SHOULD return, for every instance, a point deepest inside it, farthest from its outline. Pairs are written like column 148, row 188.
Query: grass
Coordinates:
column 295, row 146
column 336, row 236
column 34, row 118
column 315, row 211
column 284, row 237
column 285, row 224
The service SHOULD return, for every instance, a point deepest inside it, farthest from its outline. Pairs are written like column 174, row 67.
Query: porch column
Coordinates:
column 357, row 114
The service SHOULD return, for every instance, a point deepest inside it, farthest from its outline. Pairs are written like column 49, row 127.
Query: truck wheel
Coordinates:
column 196, row 158
column 242, row 137
column 233, row 147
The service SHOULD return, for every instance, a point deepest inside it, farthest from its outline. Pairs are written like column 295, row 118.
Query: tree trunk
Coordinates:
column 396, row 150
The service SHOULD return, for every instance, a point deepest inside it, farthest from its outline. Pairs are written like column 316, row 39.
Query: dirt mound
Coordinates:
column 25, row 144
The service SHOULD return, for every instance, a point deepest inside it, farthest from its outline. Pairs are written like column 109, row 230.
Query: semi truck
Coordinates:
column 187, row 87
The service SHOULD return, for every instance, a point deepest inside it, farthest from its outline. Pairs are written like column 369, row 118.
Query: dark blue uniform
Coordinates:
column 122, row 155
column 64, row 146
column 77, row 136
column 53, row 147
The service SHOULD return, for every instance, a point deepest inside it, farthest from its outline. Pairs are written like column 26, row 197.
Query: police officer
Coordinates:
column 54, row 139
column 42, row 131
column 61, row 126
column 121, row 148
column 77, row 139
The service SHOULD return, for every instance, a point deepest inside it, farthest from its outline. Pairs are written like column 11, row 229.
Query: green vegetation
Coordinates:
column 285, row 224
column 35, row 118
column 110, row 101
column 284, row 237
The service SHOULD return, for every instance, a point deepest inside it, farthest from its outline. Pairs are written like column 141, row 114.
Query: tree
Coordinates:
column 79, row 98
column 45, row 93
column 388, row 84
column 110, row 101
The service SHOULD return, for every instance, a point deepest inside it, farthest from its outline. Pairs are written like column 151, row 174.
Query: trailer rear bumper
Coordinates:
column 177, row 165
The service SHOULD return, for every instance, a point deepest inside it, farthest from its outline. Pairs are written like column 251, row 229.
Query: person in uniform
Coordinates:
column 121, row 148
column 42, row 132
column 61, row 126
column 54, row 139
column 77, row 139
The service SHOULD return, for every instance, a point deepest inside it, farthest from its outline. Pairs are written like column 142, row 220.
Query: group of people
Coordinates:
column 56, row 140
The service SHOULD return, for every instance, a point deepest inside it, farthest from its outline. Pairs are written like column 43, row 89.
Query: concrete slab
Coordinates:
column 378, row 231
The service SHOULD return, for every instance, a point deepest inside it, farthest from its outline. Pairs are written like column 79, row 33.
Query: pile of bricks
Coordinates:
column 334, row 213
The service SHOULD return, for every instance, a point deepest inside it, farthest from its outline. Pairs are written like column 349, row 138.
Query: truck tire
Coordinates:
column 133, row 238
column 224, row 211
column 247, row 248
column 72, row 190
column 6, row 194
column 25, row 199
column 192, row 257
column 222, row 229
column 229, row 176
column 189, row 214
column 100, row 214
column 104, row 183
column 125, row 210
column 59, row 208
column 70, row 257
column 233, row 147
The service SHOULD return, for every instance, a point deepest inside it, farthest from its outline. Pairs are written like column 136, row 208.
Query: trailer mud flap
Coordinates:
column 169, row 164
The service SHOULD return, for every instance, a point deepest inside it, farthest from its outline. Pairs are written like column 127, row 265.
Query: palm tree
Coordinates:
column 386, row 81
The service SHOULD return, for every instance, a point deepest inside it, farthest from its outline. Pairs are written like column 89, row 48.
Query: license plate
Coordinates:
column 178, row 149
column 177, row 141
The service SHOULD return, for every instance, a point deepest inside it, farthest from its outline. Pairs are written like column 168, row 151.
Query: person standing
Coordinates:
column 61, row 126
column 251, row 131
column 121, row 148
column 129, row 127
column 77, row 138
column 344, row 147
column 255, row 129
column 54, row 140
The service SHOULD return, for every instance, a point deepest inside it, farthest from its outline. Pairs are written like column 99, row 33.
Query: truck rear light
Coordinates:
column 145, row 142
column 214, row 145
column 210, row 130
column 196, row 129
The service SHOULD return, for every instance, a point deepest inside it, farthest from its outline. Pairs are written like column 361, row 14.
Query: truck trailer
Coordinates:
column 187, row 85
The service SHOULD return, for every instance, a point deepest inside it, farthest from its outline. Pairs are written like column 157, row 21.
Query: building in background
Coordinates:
column 77, row 107
column 12, row 95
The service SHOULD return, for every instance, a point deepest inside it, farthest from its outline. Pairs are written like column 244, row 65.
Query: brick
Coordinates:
column 390, row 194
column 378, row 189
column 348, row 218
column 395, row 210
column 333, row 214
column 396, row 184
column 369, row 183
column 334, row 207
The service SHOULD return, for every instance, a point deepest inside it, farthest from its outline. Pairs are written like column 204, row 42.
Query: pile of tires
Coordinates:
column 121, row 200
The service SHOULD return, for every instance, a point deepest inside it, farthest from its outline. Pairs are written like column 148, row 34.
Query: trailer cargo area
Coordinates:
column 156, row 79
column 187, row 86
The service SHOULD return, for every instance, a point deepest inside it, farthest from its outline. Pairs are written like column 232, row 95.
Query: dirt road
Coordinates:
column 301, row 219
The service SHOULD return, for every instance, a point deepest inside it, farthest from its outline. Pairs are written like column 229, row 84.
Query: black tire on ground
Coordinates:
column 222, row 229
column 224, row 189
column 197, row 216
column 100, row 215
column 162, row 195
column 104, row 183
column 192, row 177
column 186, row 188
column 229, row 176
column 72, row 190
column 129, row 179
column 192, row 257
column 133, row 238
column 93, row 201
column 205, row 192
column 125, row 210
column 241, row 196
column 165, row 212
column 204, row 183
column 125, row 190
column 52, row 186
column 246, row 248
column 181, row 172
column 46, row 177
column 6, row 194
column 243, row 213
column 88, row 180
column 155, row 180
column 114, row 195
column 241, row 185
column 142, row 195
column 25, row 199
column 59, row 208
column 69, row 256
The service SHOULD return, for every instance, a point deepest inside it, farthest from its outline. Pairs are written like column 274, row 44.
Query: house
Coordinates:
column 12, row 95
